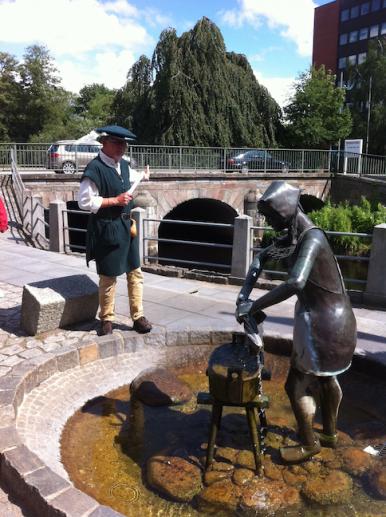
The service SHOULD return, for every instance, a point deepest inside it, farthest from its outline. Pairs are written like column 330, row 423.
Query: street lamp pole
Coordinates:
column 369, row 114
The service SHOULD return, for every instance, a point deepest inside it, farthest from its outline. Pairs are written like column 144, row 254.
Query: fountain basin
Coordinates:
column 45, row 394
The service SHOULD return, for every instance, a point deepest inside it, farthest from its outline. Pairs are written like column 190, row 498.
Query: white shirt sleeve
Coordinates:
column 88, row 197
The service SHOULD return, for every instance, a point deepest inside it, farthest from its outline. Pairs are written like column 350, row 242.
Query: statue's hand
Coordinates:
column 242, row 310
column 259, row 316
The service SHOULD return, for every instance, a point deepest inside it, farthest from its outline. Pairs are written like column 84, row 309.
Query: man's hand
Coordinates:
column 242, row 310
column 123, row 199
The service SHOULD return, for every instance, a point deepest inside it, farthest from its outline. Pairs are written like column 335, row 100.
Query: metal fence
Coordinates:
column 350, row 282
column 69, row 158
column 179, row 242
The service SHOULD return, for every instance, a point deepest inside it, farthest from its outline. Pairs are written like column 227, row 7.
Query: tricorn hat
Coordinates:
column 116, row 132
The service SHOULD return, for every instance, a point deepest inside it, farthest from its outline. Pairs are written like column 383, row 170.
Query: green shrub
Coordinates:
column 351, row 219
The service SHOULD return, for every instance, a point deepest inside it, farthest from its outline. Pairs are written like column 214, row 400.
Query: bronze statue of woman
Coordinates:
column 324, row 335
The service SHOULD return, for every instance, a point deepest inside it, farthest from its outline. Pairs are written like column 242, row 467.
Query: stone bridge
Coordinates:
column 234, row 193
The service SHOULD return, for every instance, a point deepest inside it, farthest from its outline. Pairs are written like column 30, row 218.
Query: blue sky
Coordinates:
column 98, row 40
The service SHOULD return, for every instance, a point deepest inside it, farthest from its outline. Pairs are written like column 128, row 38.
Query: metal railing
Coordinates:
column 157, row 258
column 340, row 258
column 66, row 230
column 71, row 158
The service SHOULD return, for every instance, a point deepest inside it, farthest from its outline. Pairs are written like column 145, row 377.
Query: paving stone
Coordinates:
column 105, row 511
column 12, row 360
column 67, row 358
column 46, row 482
column 32, row 343
column 109, row 346
column 22, row 459
column 12, row 350
column 50, row 347
column 32, row 352
column 9, row 438
column 4, row 370
column 74, row 503
column 88, row 353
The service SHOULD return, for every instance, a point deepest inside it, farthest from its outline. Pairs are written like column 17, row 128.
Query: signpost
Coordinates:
column 353, row 149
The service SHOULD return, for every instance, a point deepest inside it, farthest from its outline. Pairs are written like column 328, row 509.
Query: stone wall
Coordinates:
column 351, row 188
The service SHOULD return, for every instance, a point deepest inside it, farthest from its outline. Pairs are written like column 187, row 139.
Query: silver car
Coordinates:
column 69, row 157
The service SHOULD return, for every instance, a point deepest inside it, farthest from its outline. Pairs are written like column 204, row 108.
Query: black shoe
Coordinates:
column 142, row 325
column 106, row 328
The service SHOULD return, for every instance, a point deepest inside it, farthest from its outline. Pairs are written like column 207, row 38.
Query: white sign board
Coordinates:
column 353, row 146
column 353, row 156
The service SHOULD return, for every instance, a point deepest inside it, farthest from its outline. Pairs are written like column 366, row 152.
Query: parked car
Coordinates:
column 255, row 160
column 67, row 156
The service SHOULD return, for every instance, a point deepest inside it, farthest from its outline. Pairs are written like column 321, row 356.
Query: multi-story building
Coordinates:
column 342, row 31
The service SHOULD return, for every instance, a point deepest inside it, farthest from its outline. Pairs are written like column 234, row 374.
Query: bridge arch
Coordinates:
column 203, row 210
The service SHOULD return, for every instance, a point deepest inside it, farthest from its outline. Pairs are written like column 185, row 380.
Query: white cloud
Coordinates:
column 294, row 19
column 279, row 87
column 91, row 41
column 69, row 26
column 109, row 68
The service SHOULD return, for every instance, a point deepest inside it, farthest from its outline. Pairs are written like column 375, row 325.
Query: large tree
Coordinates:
column 368, row 98
column 9, row 95
column 201, row 94
column 41, row 96
column 316, row 115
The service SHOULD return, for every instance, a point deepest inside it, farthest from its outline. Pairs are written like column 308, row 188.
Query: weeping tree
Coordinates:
column 194, row 92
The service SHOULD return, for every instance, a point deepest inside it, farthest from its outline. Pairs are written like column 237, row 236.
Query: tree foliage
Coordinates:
column 193, row 92
column 315, row 114
column 372, row 70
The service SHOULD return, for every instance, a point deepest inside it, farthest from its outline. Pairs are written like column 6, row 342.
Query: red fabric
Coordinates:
column 3, row 217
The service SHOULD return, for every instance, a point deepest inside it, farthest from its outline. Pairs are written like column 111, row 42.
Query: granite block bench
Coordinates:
column 58, row 302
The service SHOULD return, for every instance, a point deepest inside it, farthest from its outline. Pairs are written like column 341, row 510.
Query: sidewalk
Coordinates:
column 171, row 303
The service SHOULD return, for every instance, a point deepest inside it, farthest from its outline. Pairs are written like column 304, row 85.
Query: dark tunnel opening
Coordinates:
column 187, row 255
column 310, row 203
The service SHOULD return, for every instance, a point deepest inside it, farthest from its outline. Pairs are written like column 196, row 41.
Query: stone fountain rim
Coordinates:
column 32, row 481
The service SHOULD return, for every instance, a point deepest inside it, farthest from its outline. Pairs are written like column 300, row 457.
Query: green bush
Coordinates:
column 352, row 219
column 345, row 218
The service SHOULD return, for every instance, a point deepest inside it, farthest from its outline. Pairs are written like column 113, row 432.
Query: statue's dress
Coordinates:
column 325, row 328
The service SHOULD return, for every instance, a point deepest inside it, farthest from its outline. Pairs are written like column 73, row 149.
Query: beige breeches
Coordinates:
column 107, row 286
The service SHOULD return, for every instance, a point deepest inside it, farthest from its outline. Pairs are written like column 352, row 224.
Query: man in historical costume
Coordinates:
column 104, row 192
column 324, row 336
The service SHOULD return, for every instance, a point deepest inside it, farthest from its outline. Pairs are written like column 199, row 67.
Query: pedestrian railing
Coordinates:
column 66, row 229
column 233, row 255
column 363, row 261
column 151, row 258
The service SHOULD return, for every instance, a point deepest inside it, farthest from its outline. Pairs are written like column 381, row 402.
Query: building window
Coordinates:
column 375, row 5
column 352, row 60
column 342, row 62
column 364, row 33
column 384, row 4
column 383, row 28
column 343, row 39
column 353, row 36
column 345, row 15
column 354, row 12
column 374, row 31
column 362, row 57
column 365, row 8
